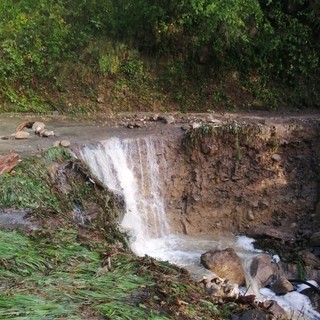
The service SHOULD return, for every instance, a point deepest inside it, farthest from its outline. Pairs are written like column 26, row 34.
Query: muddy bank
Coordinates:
column 234, row 172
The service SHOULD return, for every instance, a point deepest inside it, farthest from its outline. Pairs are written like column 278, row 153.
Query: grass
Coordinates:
column 53, row 276
column 62, row 271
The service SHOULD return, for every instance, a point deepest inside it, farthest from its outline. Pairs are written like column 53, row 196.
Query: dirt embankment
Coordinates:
column 240, row 177
column 248, row 171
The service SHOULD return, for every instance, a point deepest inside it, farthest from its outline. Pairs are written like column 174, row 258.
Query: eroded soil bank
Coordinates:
column 254, row 175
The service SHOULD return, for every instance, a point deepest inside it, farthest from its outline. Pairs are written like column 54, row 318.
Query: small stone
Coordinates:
column 47, row 133
column 21, row 135
column 168, row 119
column 56, row 143
column 185, row 127
column 196, row 125
column 282, row 286
column 276, row 157
column 65, row 143
column 250, row 215
column 101, row 99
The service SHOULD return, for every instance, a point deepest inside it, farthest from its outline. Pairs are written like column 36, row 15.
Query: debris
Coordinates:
column 8, row 162
column 25, row 124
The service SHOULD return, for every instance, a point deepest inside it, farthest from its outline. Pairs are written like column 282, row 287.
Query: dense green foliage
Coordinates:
column 159, row 49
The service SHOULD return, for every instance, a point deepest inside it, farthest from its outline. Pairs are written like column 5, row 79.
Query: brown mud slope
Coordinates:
column 233, row 172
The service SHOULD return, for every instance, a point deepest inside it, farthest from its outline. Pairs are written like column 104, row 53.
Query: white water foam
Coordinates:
column 133, row 169
column 136, row 169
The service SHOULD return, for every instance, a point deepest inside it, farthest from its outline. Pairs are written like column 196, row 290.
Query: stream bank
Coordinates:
column 219, row 171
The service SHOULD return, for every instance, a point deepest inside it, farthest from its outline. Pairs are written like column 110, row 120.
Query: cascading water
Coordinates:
column 132, row 168
column 136, row 169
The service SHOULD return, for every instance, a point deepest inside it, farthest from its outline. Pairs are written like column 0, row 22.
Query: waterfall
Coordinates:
column 134, row 168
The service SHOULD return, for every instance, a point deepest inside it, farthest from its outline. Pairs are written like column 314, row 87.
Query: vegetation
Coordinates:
column 81, row 269
column 187, row 55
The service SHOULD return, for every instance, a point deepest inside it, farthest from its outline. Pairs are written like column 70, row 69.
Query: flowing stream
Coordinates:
column 136, row 169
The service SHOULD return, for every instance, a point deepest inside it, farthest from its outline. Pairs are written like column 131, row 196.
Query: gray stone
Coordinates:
column 56, row 143
column 276, row 157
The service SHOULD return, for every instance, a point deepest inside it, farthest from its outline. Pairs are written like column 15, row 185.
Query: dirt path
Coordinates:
column 101, row 127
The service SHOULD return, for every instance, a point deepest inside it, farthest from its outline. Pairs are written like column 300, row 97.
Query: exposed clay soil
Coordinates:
column 265, row 175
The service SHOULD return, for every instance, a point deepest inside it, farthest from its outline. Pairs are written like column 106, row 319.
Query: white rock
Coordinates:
column 276, row 157
column 47, row 133
column 65, row 143
column 38, row 126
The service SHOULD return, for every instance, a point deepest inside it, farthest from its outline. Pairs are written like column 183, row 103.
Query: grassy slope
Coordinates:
column 60, row 271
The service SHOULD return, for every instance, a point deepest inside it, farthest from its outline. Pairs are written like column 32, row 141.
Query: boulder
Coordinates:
column 226, row 264
column 263, row 270
column 38, row 126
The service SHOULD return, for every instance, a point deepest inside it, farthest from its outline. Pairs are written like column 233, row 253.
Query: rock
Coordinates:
column 277, row 311
column 8, row 162
column 281, row 286
column 269, row 232
column 38, row 126
column 46, row 133
column 21, row 135
column 276, row 157
column 310, row 259
column 196, row 125
column 56, row 144
column 211, row 119
column 168, row 119
column 313, row 296
column 253, row 314
column 250, row 215
column 263, row 270
column 154, row 117
column 101, row 99
column 185, row 127
column 65, row 143
column 224, row 263
column 315, row 239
